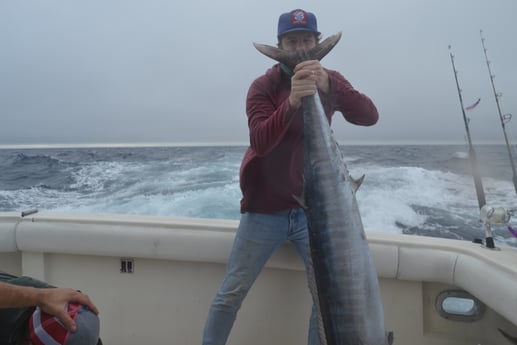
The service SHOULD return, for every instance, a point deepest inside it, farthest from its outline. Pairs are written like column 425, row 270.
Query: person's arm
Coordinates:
column 356, row 107
column 52, row 300
column 269, row 114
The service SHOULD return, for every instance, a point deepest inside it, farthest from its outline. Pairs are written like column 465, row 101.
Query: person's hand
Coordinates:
column 54, row 301
column 309, row 77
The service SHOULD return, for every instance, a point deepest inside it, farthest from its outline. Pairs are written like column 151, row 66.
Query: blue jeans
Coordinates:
column 257, row 237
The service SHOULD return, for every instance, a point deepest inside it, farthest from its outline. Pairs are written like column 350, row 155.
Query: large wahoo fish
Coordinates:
column 343, row 280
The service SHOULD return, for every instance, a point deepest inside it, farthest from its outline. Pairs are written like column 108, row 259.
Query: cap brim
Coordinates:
column 299, row 29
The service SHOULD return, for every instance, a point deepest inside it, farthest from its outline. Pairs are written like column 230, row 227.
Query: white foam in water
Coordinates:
column 391, row 197
column 185, row 193
column 195, row 183
column 386, row 198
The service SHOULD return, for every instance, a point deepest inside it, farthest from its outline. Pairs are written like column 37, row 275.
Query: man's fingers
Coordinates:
column 66, row 320
column 85, row 300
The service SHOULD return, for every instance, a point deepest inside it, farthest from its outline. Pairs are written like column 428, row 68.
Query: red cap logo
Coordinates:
column 298, row 17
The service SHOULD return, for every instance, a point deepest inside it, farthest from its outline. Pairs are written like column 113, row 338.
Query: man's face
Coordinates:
column 298, row 40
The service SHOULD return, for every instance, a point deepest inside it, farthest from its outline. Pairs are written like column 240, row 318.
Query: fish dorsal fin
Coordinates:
column 357, row 182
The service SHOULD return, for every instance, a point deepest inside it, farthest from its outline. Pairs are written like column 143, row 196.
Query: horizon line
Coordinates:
column 231, row 143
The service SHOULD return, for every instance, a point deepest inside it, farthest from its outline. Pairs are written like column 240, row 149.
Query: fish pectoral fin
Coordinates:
column 510, row 338
column 357, row 182
column 300, row 200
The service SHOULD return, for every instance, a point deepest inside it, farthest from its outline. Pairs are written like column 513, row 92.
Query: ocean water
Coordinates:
column 423, row 190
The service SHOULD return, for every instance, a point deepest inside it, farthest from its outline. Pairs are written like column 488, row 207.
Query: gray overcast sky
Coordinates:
column 162, row 71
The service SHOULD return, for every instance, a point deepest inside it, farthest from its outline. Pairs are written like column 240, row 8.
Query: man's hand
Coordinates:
column 309, row 77
column 53, row 301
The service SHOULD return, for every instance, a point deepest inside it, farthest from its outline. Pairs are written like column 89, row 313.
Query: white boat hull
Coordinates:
column 177, row 265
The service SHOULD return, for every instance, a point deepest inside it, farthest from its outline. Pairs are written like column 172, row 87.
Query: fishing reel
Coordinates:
column 494, row 215
column 499, row 216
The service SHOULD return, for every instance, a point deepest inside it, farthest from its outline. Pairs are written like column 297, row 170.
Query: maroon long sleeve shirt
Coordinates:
column 272, row 167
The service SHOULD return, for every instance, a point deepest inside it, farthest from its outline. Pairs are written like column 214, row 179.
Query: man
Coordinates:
column 272, row 168
column 33, row 312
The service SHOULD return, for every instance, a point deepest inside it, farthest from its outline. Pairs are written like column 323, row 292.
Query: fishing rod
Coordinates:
column 485, row 215
column 504, row 118
column 472, row 153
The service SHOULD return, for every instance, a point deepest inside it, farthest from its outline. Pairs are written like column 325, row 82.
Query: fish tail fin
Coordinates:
column 389, row 337
column 291, row 59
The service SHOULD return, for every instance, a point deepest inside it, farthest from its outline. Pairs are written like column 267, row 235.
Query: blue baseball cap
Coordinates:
column 297, row 20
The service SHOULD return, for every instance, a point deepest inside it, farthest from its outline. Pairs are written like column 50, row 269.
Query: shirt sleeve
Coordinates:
column 269, row 115
column 356, row 107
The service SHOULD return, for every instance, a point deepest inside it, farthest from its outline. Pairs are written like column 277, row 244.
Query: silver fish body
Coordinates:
column 342, row 278
column 346, row 290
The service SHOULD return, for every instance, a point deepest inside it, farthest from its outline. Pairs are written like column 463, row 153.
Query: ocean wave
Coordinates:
column 414, row 190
